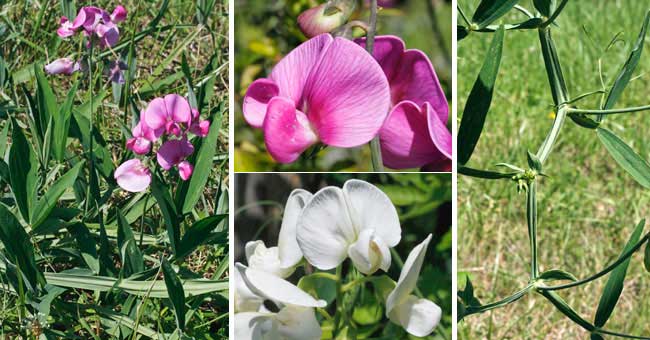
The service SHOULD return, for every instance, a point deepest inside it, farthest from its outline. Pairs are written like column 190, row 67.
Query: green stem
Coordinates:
column 555, row 14
column 462, row 15
column 339, row 300
column 348, row 286
column 437, row 33
column 503, row 302
column 547, row 145
column 603, row 272
column 531, row 216
column 620, row 335
column 324, row 275
column 91, row 163
column 375, row 148
column 610, row 111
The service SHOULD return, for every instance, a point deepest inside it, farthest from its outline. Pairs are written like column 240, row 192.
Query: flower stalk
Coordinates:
column 375, row 147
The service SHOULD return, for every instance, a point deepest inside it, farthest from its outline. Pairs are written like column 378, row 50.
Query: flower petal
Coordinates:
column 347, row 95
column 369, row 253
column 387, row 50
column 370, row 208
column 155, row 115
column 291, row 73
column 406, row 140
column 418, row 316
column 325, row 230
column 132, row 176
column 266, row 259
column 257, row 98
column 408, row 278
column 298, row 323
column 287, row 132
column 119, row 14
column 174, row 151
column 178, row 108
column 251, row 326
column 289, row 251
column 61, row 66
column 185, row 170
column 438, row 132
column 245, row 299
column 276, row 289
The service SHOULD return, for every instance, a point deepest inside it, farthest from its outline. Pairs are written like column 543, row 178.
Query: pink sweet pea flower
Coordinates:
column 143, row 136
column 315, row 21
column 185, row 169
column 169, row 113
column 327, row 89
column 133, row 176
column 173, row 152
column 108, row 34
column 119, row 14
column 65, row 66
column 199, row 127
column 415, row 133
column 66, row 29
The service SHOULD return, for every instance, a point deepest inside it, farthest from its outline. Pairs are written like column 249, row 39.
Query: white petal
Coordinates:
column 369, row 253
column 298, row 323
column 290, row 253
column 325, row 230
column 408, row 278
column 267, row 259
column 245, row 299
column 418, row 316
column 276, row 289
column 251, row 326
column 370, row 208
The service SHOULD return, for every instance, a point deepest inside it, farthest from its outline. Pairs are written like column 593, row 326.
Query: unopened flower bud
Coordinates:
column 326, row 17
column 65, row 66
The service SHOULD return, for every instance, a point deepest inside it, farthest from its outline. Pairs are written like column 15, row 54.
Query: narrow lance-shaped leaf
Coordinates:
column 628, row 68
column 49, row 200
column 86, row 244
column 200, row 233
column 625, row 157
column 18, row 246
column 553, row 67
column 545, row 7
column 490, row 10
column 47, row 106
column 614, row 285
column 160, row 193
column 62, row 125
column 132, row 258
column 176, row 293
column 191, row 190
column 479, row 100
column 563, row 307
column 22, row 170
column 646, row 257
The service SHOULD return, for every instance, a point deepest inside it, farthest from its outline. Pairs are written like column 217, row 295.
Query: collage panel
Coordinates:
column 552, row 200
column 310, row 96
column 342, row 256
column 114, row 169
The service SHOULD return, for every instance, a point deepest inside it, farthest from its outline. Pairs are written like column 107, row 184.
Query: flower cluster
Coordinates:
column 358, row 222
column 100, row 27
column 329, row 90
column 169, row 119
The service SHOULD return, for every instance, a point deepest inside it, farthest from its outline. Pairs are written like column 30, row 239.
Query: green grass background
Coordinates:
column 587, row 207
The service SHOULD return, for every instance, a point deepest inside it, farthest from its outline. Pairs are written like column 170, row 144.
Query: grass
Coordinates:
column 104, row 273
column 588, row 206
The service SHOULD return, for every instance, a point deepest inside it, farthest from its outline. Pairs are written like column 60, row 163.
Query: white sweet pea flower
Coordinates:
column 245, row 300
column 358, row 221
column 281, row 260
column 418, row 316
column 287, row 312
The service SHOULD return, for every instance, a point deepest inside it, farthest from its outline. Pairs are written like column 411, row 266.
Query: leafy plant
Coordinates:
column 529, row 178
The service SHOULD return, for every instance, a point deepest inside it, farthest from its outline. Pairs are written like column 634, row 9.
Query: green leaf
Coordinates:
column 45, row 98
column 49, row 200
column 534, row 162
column 318, row 287
column 86, row 245
column 563, row 307
column 200, row 233
column 583, row 120
column 132, row 258
column 154, row 289
column 191, row 190
column 625, row 157
column 545, row 7
column 185, row 67
column 485, row 174
column 553, row 68
column 368, row 310
column 18, row 246
column 161, row 194
column 557, row 274
column 62, row 124
column 176, row 294
column 614, row 285
column 630, row 65
column 646, row 258
column 491, row 10
column 23, row 170
column 479, row 100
